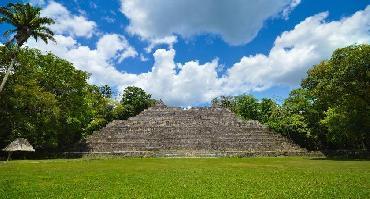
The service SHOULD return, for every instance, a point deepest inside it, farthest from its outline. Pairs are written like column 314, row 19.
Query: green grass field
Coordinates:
column 185, row 178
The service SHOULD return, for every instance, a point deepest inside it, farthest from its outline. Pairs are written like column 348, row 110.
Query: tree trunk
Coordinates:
column 8, row 70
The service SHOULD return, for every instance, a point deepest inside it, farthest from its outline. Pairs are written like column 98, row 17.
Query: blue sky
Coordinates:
column 186, row 52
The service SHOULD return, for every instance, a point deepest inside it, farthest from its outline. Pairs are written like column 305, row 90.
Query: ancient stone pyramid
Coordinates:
column 167, row 131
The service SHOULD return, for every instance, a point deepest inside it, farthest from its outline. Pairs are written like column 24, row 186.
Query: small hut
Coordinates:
column 19, row 144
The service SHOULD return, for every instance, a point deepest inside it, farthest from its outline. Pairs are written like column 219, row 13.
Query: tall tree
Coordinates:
column 247, row 107
column 266, row 106
column 135, row 100
column 27, row 23
column 340, row 86
column 106, row 91
column 49, row 102
column 223, row 102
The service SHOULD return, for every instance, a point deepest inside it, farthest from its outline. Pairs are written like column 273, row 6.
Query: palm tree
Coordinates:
column 27, row 23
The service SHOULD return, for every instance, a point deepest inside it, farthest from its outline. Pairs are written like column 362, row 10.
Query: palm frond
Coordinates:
column 9, row 32
column 45, row 30
column 8, row 15
column 43, row 36
column 27, row 21
column 31, row 13
column 4, row 19
column 41, row 21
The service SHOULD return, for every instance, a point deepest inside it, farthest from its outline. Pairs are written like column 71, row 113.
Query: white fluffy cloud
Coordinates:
column 115, row 46
column 99, row 62
column 237, row 21
column 66, row 23
column 191, row 83
column 168, row 40
column 37, row 2
column 287, row 10
column 295, row 51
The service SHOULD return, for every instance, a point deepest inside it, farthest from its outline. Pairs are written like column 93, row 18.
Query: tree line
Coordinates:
column 50, row 103
column 330, row 110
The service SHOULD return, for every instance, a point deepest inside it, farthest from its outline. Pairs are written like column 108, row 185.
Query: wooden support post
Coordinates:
column 9, row 154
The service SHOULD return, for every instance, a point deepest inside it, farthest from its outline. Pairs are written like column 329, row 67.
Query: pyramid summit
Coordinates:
column 172, row 131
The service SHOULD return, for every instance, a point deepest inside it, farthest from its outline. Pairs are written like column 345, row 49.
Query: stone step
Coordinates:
column 184, row 117
column 188, row 137
column 154, row 149
column 220, row 129
column 191, row 139
column 183, row 121
column 210, row 153
column 133, row 135
column 187, row 133
column 181, row 124
column 111, row 146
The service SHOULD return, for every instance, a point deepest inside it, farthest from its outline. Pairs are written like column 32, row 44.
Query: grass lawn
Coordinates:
column 292, row 177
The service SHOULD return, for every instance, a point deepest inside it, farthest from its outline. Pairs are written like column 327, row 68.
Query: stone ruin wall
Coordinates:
column 167, row 131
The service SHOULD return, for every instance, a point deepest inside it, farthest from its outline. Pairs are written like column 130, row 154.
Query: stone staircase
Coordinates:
column 167, row 131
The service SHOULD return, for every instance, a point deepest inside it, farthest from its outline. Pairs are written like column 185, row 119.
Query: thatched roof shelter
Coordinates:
column 19, row 144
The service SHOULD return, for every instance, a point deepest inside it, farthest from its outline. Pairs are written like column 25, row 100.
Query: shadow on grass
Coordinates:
column 334, row 155
column 345, row 155
column 342, row 159
column 18, row 155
